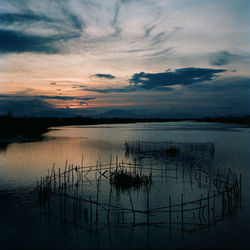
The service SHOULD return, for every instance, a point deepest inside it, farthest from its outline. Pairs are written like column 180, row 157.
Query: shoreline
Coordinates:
column 24, row 129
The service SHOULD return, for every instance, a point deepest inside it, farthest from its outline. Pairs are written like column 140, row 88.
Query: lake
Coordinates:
column 139, row 217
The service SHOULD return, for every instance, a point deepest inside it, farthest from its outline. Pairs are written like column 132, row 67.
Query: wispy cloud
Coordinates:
column 44, row 97
column 107, row 76
column 125, row 89
column 221, row 58
column 29, row 17
column 148, row 31
column 114, row 22
column 40, row 31
column 161, row 52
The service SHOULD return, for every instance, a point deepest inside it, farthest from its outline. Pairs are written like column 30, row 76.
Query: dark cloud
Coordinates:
column 15, row 41
column 75, row 86
column 221, row 58
column 69, row 98
column 53, row 83
column 16, row 35
column 182, row 76
column 162, row 81
column 29, row 17
column 37, row 106
column 114, row 22
column 84, row 103
column 163, row 36
column 32, row 107
column 125, row 89
column 75, row 22
column 230, row 85
column 107, row 76
column 65, row 97
column 148, row 31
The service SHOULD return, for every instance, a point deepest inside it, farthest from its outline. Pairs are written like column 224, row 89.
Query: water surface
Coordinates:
column 22, row 164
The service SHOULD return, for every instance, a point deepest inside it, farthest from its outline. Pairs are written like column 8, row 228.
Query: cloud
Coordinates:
column 107, row 76
column 161, row 52
column 53, row 83
column 29, row 17
column 29, row 31
column 225, row 57
column 15, row 41
column 69, row 98
column 229, row 85
column 31, row 107
column 163, row 36
column 66, row 98
column 163, row 80
column 148, row 31
column 182, row 76
column 125, row 89
column 76, row 86
column 114, row 22
column 221, row 58
column 25, row 105
column 84, row 103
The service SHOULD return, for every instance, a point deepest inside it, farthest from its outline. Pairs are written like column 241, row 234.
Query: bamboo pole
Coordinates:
column 170, row 212
column 110, row 193
column 90, row 208
column 208, row 208
column 147, row 206
column 240, row 191
column 182, row 213
column 97, row 200
column 200, row 209
column 132, row 206
column 59, row 175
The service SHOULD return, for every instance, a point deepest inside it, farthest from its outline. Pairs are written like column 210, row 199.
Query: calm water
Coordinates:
column 21, row 164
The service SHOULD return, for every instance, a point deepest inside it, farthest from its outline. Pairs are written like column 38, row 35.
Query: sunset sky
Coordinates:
column 149, row 57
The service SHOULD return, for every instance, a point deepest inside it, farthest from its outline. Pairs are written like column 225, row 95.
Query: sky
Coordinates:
column 152, row 58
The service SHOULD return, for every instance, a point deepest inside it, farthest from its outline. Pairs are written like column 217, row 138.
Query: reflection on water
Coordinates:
column 21, row 164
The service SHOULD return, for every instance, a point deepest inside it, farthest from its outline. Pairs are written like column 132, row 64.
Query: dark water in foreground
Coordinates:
column 24, row 226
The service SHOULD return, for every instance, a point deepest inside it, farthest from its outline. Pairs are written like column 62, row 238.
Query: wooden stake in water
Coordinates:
column 223, row 203
column 90, row 208
column 208, row 207
column 82, row 162
column 59, row 175
column 110, row 193
column 170, row 212
column 182, row 213
column 200, row 210
column 54, row 181
column 213, row 203
column 147, row 206
column 132, row 206
column 65, row 169
column 97, row 200
column 240, row 190
column 176, row 174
